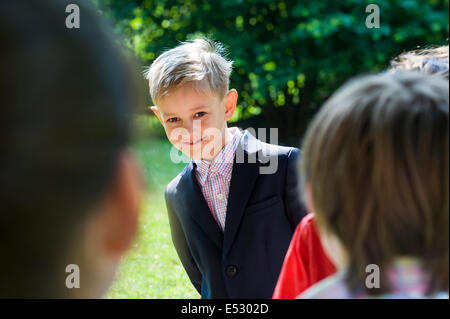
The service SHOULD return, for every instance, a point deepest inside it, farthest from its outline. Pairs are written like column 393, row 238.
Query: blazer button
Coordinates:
column 232, row 271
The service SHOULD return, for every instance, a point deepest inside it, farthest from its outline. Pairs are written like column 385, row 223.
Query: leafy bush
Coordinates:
column 289, row 55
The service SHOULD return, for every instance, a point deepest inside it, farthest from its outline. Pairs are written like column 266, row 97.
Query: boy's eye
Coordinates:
column 199, row 114
column 172, row 119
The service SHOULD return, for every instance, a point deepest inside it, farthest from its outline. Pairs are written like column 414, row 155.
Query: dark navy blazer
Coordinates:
column 262, row 213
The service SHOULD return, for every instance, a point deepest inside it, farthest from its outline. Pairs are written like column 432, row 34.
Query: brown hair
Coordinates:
column 377, row 160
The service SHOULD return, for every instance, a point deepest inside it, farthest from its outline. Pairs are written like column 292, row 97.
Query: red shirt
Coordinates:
column 305, row 263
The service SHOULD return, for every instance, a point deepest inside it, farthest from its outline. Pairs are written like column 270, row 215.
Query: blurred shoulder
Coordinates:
column 332, row 287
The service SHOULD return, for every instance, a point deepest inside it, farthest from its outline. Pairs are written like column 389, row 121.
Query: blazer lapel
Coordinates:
column 243, row 178
column 193, row 204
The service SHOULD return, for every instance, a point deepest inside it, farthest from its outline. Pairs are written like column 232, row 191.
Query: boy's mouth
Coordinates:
column 195, row 142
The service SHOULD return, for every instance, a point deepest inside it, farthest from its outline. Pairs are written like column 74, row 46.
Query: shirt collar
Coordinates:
column 407, row 275
column 223, row 162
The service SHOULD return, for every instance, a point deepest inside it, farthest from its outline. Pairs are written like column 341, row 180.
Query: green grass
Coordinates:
column 152, row 269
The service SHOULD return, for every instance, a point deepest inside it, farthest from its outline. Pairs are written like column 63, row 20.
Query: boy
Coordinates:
column 376, row 173
column 231, row 224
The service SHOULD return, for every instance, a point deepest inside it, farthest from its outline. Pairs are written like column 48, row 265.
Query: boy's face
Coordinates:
column 195, row 122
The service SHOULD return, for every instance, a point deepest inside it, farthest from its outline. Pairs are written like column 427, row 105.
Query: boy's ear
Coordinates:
column 156, row 112
column 230, row 103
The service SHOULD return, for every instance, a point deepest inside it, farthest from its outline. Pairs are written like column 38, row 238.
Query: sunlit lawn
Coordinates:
column 152, row 269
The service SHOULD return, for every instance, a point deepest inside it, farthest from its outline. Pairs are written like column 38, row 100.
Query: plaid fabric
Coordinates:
column 214, row 178
column 406, row 278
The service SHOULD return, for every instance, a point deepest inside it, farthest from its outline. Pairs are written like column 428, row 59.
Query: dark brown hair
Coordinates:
column 377, row 160
column 66, row 99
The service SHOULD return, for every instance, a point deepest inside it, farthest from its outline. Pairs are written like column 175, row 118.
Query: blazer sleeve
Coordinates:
column 181, row 247
column 295, row 209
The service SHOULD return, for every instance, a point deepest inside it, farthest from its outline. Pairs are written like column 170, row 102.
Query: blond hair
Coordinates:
column 431, row 61
column 200, row 63
column 377, row 160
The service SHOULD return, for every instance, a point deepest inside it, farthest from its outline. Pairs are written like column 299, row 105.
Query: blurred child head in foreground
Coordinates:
column 69, row 187
column 376, row 173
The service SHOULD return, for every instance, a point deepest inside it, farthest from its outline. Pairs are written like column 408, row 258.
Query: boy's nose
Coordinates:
column 194, row 131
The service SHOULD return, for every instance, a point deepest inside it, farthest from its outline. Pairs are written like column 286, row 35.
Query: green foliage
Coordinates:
column 290, row 54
